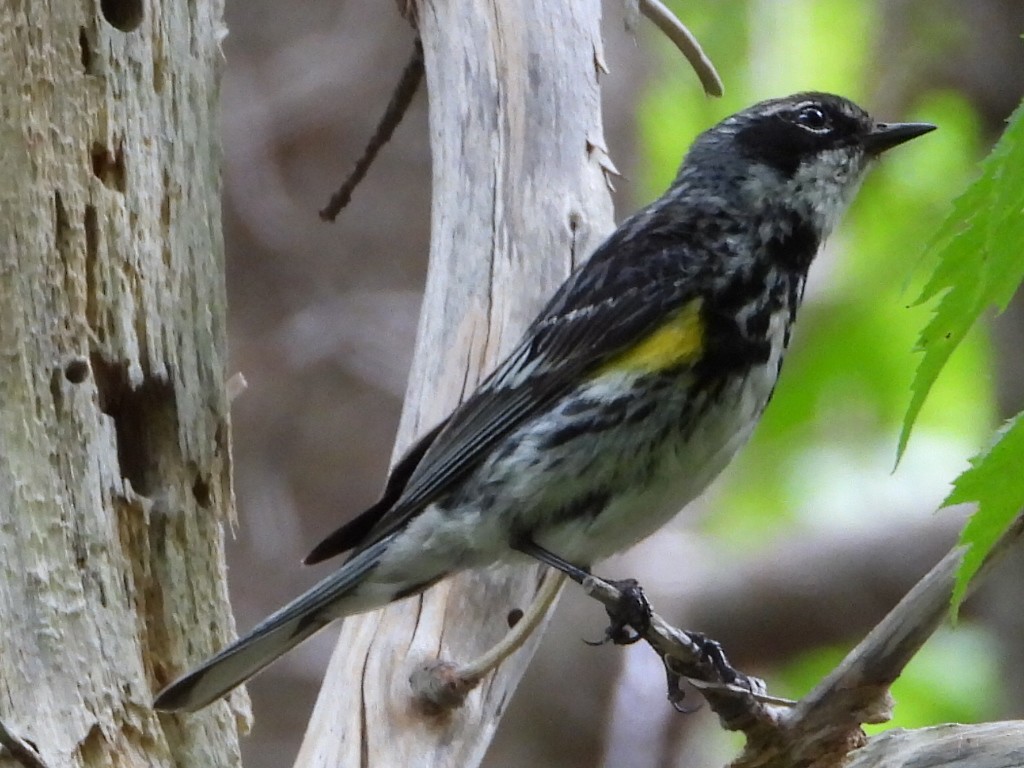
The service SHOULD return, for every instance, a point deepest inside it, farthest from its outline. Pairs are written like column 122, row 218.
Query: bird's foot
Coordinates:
column 629, row 618
column 729, row 678
column 711, row 651
column 712, row 654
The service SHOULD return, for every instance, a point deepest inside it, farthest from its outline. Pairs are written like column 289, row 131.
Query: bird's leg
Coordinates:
column 537, row 552
column 633, row 610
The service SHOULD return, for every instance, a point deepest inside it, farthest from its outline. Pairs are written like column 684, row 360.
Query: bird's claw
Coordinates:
column 711, row 651
column 629, row 618
column 676, row 692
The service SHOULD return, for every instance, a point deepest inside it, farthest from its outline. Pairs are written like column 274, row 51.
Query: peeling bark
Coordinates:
column 114, row 426
column 518, row 198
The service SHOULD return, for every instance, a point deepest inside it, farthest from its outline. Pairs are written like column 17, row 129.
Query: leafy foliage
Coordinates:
column 980, row 263
column 995, row 482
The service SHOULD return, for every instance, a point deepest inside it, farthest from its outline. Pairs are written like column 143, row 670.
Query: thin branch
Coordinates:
column 741, row 704
column 550, row 585
column 823, row 728
column 684, row 40
column 441, row 685
column 825, row 725
column 20, row 750
column 985, row 745
column 406, row 88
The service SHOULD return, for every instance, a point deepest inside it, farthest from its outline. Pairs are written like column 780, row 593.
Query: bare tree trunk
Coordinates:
column 520, row 197
column 114, row 425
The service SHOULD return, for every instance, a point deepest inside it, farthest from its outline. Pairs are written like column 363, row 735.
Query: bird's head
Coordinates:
column 807, row 152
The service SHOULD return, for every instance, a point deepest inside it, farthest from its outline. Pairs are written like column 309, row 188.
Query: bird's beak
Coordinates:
column 888, row 135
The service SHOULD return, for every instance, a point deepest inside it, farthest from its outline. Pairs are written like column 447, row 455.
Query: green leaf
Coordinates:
column 995, row 483
column 980, row 264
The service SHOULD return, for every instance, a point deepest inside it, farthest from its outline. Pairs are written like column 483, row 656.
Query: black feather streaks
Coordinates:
column 625, row 291
column 794, row 245
column 737, row 316
column 729, row 350
column 589, row 505
column 587, row 416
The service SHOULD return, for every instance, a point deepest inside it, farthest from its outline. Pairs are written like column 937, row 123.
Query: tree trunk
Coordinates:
column 519, row 197
column 114, row 426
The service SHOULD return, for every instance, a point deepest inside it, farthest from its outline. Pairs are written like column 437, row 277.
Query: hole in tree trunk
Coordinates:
column 125, row 15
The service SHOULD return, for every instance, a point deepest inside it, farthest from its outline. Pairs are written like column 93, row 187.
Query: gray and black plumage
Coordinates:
column 626, row 396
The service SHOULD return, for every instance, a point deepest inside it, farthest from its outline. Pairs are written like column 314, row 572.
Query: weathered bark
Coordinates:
column 983, row 745
column 520, row 196
column 114, row 425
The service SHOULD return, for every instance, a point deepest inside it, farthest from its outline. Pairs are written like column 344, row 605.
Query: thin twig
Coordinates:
column 20, row 750
column 400, row 100
column 684, row 40
column 825, row 725
column 550, row 585
column 741, row 705
column 441, row 685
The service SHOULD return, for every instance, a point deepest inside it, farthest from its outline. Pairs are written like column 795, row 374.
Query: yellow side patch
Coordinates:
column 677, row 342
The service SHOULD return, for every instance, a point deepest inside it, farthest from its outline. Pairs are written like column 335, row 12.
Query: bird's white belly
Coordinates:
column 684, row 471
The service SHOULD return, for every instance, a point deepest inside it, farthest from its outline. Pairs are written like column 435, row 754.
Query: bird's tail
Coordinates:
column 274, row 636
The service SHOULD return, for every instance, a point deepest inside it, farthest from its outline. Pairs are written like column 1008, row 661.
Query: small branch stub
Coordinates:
column 440, row 686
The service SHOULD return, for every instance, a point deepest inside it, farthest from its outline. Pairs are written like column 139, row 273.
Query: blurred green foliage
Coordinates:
column 926, row 693
column 979, row 266
column 830, row 436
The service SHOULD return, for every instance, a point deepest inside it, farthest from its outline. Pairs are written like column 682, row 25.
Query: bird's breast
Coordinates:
column 618, row 460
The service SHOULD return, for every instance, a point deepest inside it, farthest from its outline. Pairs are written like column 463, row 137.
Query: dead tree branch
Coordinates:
column 824, row 728
column 684, row 40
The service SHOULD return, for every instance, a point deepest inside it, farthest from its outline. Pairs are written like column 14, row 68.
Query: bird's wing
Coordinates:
column 603, row 310
column 356, row 530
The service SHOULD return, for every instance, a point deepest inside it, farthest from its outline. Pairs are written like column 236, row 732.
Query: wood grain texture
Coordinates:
column 114, row 424
column 519, row 197
column 982, row 745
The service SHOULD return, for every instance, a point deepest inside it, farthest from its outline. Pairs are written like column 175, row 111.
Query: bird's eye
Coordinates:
column 812, row 118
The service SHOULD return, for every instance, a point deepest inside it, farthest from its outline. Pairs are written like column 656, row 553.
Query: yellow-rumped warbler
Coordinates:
column 626, row 396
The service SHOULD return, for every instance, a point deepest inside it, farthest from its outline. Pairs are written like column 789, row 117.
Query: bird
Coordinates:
column 626, row 396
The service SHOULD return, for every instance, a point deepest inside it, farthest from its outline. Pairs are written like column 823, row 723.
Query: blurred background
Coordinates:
column 808, row 539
